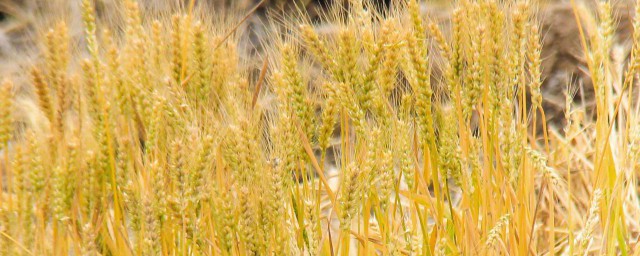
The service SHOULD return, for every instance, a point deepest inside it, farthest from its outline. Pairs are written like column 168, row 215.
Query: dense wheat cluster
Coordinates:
column 155, row 136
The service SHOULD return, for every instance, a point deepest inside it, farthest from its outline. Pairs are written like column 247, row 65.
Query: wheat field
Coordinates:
column 232, row 128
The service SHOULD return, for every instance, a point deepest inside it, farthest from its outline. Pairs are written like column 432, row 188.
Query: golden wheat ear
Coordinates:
column 6, row 114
